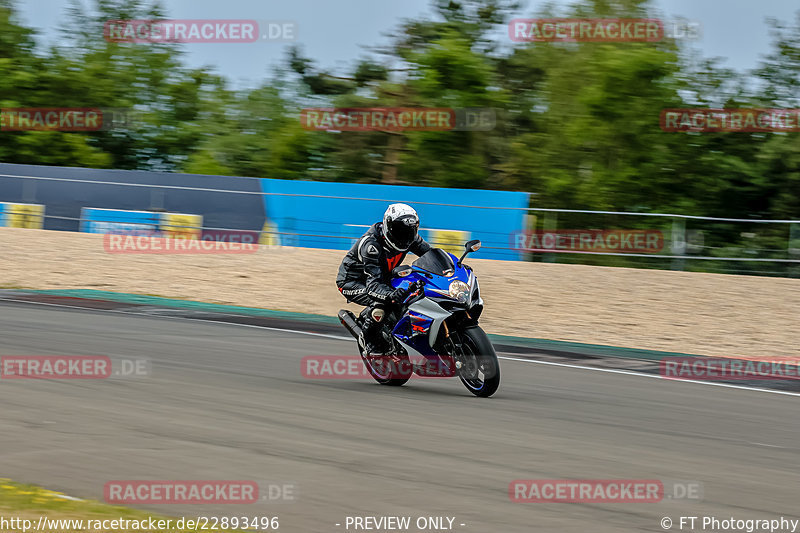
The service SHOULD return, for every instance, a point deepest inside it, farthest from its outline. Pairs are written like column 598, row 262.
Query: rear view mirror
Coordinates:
column 471, row 246
column 401, row 271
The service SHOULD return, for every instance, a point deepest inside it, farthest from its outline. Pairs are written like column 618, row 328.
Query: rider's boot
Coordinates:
column 371, row 339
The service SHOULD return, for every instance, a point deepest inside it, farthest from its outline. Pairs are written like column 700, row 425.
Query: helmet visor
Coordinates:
column 403, row 231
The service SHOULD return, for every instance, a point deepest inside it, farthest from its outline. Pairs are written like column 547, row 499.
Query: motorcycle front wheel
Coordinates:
column 479, row 368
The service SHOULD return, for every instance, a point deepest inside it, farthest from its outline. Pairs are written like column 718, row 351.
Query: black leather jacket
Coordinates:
column 370, row 261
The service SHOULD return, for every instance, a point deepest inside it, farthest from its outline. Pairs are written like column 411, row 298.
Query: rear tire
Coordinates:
column 389, row 370
column 480, row 358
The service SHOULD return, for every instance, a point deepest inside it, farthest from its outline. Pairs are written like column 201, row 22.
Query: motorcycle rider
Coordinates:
column 365, row 271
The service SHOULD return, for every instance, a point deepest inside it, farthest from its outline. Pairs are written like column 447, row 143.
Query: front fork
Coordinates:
column 451, row 345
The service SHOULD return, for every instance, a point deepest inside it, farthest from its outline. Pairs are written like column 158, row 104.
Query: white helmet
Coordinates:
column 400, row 225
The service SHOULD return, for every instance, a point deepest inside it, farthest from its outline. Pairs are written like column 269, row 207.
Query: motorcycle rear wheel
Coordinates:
column 390, row 370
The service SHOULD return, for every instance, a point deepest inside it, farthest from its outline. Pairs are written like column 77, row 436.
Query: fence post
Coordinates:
column 793, row 247
column 550, row 223
column 678, row 242
column 530, row 225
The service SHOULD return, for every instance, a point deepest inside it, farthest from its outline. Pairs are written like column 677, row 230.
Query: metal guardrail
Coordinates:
column 387, row 200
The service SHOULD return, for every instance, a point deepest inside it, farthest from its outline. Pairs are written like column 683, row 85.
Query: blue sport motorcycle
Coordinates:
column 437, row 324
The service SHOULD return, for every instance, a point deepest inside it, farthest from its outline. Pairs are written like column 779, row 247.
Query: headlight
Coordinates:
column 459, row 291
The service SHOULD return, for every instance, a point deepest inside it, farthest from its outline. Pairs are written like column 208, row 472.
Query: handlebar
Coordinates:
column 413, row 290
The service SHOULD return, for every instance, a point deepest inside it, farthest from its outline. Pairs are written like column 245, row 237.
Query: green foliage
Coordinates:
column 577, row 123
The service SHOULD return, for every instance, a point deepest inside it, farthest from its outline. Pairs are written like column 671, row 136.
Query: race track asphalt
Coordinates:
column 224, row 401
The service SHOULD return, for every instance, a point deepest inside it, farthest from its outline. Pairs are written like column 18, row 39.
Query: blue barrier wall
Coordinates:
column 104, row 220
column 346, row 219
column 332, row 223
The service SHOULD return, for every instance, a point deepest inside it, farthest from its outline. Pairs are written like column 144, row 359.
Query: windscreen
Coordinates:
column 436, row 261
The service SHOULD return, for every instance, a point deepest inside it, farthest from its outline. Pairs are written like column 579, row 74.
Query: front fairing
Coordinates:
column 419, row 326
column 437, row 286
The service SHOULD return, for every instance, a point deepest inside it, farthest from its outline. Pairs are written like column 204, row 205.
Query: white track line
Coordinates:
column 151, row 315
column 65, row 497
column 342, row 338
column 654, row 376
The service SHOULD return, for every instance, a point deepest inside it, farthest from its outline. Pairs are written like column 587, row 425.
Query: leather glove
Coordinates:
column 398, row 295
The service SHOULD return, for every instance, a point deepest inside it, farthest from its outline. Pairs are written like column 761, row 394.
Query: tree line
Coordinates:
column 577, row 124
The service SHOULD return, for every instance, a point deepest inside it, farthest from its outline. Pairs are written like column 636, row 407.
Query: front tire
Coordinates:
column 480, row 371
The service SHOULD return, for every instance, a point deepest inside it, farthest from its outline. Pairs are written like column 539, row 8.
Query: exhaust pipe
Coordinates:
column 348, row 321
